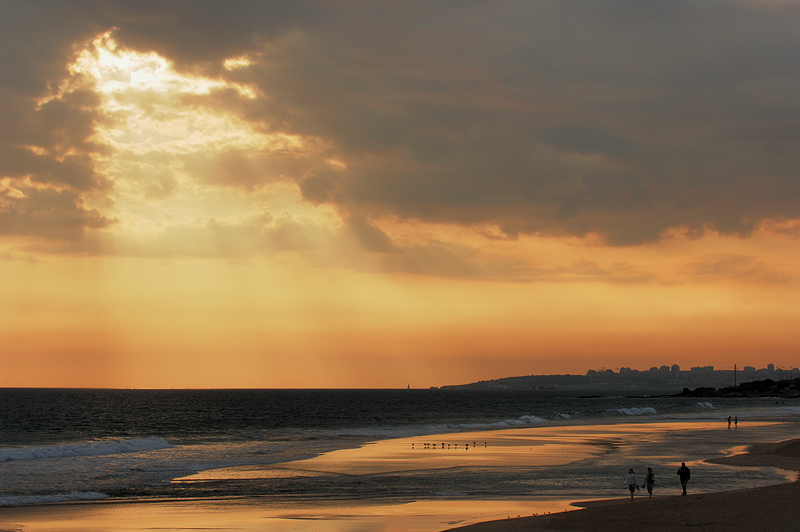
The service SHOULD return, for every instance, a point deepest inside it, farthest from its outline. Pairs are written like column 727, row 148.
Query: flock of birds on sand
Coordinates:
column 455, row 445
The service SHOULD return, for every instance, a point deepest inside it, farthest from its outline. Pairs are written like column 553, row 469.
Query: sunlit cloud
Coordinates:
column 113, row 70
column 236, row 62
column 182, row 166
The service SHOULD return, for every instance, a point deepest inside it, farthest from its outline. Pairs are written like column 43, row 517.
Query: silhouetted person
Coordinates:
column 649, row 480
column 736, row 422
column 684, row 475
column 729, row 421
column 630, row 481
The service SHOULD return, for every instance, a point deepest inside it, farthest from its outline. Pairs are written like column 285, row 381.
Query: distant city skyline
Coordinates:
column 666, row 377
column 671, row 370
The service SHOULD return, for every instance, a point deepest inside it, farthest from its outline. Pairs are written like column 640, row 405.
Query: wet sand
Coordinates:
column 543, row 445
column 252, row 514
column 772, row 508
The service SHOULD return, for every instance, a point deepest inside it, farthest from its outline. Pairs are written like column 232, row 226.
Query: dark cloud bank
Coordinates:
column 617, row 118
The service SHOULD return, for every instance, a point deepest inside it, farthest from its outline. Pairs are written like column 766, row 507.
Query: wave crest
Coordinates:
column 93, row 448
column 635, row 411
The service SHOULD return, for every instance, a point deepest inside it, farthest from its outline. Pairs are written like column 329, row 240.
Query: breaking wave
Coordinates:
column 94, row 448
column 635, row 411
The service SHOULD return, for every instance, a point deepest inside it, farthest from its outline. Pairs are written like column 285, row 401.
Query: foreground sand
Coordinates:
column 771, row 508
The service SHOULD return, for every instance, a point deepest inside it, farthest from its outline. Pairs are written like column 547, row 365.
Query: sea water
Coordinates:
column 81, row 445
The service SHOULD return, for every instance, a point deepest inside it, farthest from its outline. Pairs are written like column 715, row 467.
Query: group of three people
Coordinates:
column 650, row 480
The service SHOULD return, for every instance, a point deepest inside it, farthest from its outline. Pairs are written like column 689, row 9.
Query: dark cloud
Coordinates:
column 200, row 35
column 46, row 149
column 47, row 213
column 617, row 118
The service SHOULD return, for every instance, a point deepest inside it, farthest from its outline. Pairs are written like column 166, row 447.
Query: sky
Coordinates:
column 314, row 194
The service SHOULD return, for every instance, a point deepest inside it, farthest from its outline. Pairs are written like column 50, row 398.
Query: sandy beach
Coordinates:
column 771, row 508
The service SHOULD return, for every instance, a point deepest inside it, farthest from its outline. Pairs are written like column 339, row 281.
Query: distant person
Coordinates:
column 729, row 421
column 684, row 475
column 649, row 480
column 631, row 482
column 736, row 421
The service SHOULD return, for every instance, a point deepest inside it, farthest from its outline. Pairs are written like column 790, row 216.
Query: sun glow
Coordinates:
column 151, row 107
column 114, row 69
column 182, row 159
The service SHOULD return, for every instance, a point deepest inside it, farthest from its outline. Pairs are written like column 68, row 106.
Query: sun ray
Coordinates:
column 179, row 160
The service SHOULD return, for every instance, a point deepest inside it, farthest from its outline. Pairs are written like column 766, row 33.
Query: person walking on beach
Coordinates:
column 684, row 475
column 649, row 480
column 630, row 481
column 729, row 421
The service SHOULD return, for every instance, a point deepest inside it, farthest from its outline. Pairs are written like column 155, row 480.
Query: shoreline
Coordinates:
column 510, row 446
column 765, row 508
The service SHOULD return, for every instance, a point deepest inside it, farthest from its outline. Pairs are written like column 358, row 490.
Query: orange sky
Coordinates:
column 304, row 202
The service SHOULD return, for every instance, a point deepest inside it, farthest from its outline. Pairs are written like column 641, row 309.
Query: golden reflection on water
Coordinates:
column 528, row 447
column 525, row 447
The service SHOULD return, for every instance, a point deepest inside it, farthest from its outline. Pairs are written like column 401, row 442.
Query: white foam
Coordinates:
column 18, row 500
column 531, row 420
column 403, row 432
column 704, row 404
column 636, row 411
column 94, row 448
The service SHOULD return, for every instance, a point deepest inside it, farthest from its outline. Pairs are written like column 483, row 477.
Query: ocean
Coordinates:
column 78, row 445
